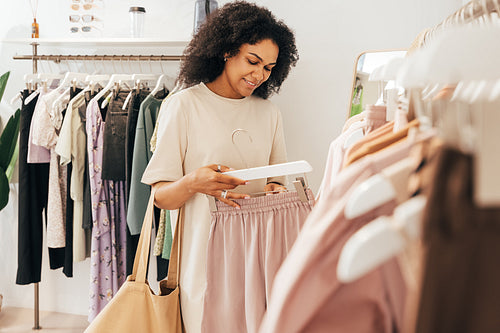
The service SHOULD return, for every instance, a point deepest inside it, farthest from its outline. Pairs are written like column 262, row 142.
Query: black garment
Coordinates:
column 133, row 240
column 33, row 195
column 459, row 290
column 68, row 249
column 87, row 203
column 68, row 253
column 133, row 114
column 161, row 264
column 115, row 130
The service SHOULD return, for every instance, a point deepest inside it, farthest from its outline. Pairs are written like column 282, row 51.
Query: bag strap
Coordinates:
column 143, row 247
column 174, row 264
column 142, row 253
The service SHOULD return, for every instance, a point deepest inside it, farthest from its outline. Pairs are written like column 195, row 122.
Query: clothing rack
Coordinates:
column 59, row 58
column 468, row 13
column 35, row 57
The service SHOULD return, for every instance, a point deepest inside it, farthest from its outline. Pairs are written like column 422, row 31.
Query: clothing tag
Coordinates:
column 487, row 154
column 392, row 104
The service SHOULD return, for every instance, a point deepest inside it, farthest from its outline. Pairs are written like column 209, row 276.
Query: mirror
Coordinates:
column 367, row 91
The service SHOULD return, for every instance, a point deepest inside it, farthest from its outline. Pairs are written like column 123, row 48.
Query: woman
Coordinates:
column 223, row 120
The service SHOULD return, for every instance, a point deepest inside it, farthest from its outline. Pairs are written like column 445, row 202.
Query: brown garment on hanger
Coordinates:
column 380, row 143
column 379, row 132
column 461, row 246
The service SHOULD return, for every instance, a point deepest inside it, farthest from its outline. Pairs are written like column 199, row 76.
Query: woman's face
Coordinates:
column 247, row 70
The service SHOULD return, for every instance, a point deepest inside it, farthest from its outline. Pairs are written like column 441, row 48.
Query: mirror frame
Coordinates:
column 355, row 72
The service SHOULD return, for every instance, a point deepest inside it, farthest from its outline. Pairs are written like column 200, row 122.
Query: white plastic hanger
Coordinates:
column 380, row 240
column 377, row 190
column 274, row 170
column 69, row 78
column 163, row 81
column 31, row 81
column 93, row 79
column 41, row 77
column 32, row 95
column 495, row 91
column 354, row 137
column 15, row 98
column 114, row 79
column 447, row 58
column 138, row 78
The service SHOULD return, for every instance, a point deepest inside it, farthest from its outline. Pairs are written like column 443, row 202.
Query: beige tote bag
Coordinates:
column 135, row 308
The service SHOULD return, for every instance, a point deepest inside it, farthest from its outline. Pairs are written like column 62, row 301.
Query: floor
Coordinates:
column 20, row 320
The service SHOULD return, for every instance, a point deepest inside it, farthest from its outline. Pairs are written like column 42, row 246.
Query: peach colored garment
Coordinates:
column 379, row 132
column 306, row 294
column 373, row 118
column 245, row 250
column 335, row 158
column 381, row 143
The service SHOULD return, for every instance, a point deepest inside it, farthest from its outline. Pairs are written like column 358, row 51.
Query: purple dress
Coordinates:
column 107, row 260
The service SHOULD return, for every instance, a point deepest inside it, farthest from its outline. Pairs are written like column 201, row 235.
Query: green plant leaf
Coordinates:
column 4, row 189
column 12, row 165
column 8, row 140
column 3, row 83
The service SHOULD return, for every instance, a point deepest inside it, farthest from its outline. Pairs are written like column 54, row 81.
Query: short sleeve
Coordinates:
column 44, row 133
column 278, row 152
column 166, row 164
column 63, row 146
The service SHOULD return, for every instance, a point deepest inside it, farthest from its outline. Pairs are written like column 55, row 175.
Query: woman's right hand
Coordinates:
column 211, row 180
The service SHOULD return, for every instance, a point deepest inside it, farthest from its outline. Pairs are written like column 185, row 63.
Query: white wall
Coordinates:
column 314, row 100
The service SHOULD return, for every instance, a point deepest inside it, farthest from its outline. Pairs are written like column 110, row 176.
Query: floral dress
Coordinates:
column 107, row 272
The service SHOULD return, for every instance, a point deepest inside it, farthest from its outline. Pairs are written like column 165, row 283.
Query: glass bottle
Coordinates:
column 202, row 8
column 35, row 29
column 137, row 21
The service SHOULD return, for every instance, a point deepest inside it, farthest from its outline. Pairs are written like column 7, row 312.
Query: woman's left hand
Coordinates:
column 274, row 188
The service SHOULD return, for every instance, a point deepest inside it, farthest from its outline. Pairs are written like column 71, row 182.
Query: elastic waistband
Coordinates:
column 266, row 202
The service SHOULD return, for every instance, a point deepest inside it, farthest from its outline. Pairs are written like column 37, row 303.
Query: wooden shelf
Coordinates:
column 98, row 42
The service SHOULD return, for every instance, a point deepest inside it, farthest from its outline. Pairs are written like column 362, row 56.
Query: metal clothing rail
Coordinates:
column 468, row 13
column 35, row 57
column 59, row 58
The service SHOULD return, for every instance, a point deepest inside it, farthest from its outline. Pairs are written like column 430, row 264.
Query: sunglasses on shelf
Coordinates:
column 84, row 18
column 85, row 28
column 86, row 6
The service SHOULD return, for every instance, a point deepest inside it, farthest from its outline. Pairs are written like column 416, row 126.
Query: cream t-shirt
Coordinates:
column 71, row 147
column 196, row 128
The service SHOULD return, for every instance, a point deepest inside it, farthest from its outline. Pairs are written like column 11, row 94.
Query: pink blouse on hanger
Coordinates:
column 45, row 136
column 306, row 294
column 37, row 154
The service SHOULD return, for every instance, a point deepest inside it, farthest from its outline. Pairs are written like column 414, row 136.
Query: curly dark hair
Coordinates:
column 224, row 32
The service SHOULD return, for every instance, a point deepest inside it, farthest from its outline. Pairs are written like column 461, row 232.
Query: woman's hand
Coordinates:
column 274, row 188
column 211, row 180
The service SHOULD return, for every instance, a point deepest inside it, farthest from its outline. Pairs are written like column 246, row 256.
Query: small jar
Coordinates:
column 137, row 21
column 202, row 8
